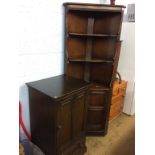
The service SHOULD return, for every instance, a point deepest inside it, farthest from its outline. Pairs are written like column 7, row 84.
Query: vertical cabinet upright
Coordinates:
column 92, row 47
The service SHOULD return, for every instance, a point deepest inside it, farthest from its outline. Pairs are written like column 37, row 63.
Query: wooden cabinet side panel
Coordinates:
column 42, row 120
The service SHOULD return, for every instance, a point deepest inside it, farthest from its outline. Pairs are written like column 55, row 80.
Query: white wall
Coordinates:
column 41, row 44
column 126, row 65
column 118, row 2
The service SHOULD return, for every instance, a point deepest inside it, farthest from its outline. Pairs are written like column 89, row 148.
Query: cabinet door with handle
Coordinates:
column 79, row 110
column 71, row 120
column 64, row 125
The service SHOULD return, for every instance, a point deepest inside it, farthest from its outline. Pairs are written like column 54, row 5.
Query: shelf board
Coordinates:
column 92, row 35
column 90, row 60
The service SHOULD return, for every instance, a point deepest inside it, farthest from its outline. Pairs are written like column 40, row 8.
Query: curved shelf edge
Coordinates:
column 92, row 35
column 90, row 60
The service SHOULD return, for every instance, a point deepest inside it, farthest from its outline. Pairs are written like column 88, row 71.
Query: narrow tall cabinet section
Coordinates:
column 92, row 47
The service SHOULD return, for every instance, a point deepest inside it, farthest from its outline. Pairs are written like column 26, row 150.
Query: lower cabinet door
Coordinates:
column 64, row 125
column 71, row 123
column 97, row 111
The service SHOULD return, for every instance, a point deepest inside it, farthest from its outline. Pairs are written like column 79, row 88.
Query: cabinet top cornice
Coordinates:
column 92, row 5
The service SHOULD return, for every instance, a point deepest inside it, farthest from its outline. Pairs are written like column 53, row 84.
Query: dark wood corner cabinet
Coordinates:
column 92, row 47
column 58, row 109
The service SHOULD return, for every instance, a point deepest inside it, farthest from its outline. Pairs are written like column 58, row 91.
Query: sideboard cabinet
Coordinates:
column 58, row 110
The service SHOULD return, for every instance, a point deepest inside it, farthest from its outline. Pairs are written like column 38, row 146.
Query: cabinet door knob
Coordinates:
column 59, row 127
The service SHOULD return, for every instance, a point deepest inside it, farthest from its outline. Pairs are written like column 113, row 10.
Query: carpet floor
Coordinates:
column 120, row 139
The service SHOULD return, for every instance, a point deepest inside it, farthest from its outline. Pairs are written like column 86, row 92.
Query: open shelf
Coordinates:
column 98, row 72
column 101, row 48
column 103, row 22
column 92, row 35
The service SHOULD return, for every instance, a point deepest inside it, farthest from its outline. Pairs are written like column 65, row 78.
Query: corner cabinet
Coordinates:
column 92, row 47
column 58, row 110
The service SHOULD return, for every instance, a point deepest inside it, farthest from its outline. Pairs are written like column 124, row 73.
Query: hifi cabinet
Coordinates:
column 92, row 47
column 58, row 110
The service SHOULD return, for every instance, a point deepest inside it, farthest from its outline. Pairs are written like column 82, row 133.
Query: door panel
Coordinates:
column 97, row 110
column 64, row 125
column 97, row 98
column 71, row 120
column 96, row 116
column 78, row 115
